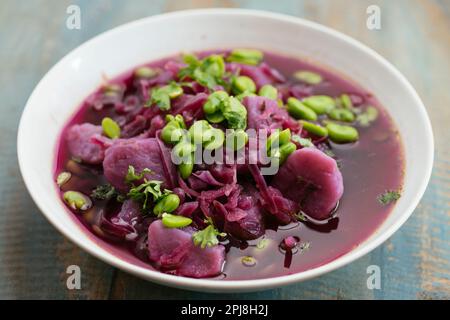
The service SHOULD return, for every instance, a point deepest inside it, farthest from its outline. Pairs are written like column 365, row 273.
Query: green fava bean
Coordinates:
column 242, row 95
column 62, row 178
column 243, row 84
column 300, row 111
column 184, row 148
column 308, row 77
column 209, row 107
column 246, row 56
column 215, row 138
column 110, row 128
column 314, row 129
column 346, row 101
column 145, row 73
column 167, row 204
column 174, row 90
column 212, row 107
column 112, row 89
column 286, row 150
column 185, row 169
column 198, row 130
column 172, row 134
column 77, row 201
column 174, row 221
column 341, row 115
column 268, row 91
column 342, row 134
column 320, row 104
column 279, row 138
column 216, row 117
column 237, row 139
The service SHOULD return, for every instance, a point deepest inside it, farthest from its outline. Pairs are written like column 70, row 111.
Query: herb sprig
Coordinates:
column 388, row 197
column 149, row 189
column 208, row 236
column 208, row 72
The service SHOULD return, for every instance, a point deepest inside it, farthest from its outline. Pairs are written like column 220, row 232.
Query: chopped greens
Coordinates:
column 161, row 96
column 208, row 72
column 389, row 196
column 208, row 236
column 132, row 176
column 104, row 192
column 149, row 188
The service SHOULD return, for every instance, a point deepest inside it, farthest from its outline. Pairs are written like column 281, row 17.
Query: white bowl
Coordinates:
column 59, row 93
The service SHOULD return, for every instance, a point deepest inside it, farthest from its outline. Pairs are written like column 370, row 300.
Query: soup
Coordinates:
column 231, row 165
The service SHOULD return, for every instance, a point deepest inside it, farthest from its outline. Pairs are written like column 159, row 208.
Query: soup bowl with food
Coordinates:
column 225, row 150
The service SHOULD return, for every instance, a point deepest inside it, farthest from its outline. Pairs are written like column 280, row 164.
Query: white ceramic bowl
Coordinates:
column 59, row 93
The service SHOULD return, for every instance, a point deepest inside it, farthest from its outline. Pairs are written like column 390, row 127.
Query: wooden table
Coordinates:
column 415, row 262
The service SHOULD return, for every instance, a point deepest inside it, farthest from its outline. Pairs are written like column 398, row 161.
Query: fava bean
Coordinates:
column 77, row 201
column 215, row 138
column 246, row 56
column 308, row 77
column 286, row 150
column 197, row 131
column 174, row 221
column 167, row 204
column 145, row 73
column 320, row 104
column 314, row 129
column 300, row 111
column 341, row 115
column 236, row 139
column 341, row 134
column 110, row 128
column 268, row 91
column 62, row 178
column 243, row 84
column 185, row 169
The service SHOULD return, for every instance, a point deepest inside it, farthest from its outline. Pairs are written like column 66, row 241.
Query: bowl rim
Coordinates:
column 235, row 285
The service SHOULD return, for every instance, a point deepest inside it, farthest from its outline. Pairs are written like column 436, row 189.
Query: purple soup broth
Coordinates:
column 372, row 165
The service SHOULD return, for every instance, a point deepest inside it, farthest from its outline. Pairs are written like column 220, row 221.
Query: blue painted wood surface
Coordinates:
column 415, row 262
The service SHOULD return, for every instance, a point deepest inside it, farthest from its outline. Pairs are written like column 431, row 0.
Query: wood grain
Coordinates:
column 415, row 262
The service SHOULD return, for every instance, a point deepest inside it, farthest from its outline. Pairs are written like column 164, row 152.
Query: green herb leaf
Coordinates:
column 207, row 237
column 104, row 192
column 132, row 176
column 208, row 72
column 388, row 197
column 149, row 190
